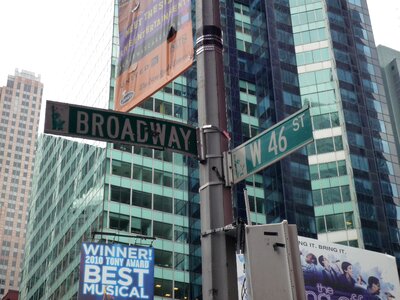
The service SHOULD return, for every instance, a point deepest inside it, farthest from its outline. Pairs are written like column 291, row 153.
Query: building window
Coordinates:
column 163, row 288
column 162, row 230
column 119, row 222
column 163, row 258
column 359, row 162
column 335, row 222
column 162, row 203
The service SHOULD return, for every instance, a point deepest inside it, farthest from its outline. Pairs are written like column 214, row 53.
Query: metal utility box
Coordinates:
column 273, row 267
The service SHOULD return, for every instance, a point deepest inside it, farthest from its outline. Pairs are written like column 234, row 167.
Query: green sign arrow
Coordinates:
column 111, row 126
column 272, row 145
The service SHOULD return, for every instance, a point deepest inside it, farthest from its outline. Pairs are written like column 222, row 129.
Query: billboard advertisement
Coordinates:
column 155, row 46
column 242, row 283
column 336, row 272
column 115, row 271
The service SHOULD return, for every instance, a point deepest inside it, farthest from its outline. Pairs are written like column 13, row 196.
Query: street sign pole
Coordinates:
column 218, row 250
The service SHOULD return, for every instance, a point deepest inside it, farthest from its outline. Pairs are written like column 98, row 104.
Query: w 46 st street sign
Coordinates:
column 271, row 145
column 110, row 126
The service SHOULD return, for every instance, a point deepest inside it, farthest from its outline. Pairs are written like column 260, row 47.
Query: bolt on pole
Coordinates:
column 218, row 249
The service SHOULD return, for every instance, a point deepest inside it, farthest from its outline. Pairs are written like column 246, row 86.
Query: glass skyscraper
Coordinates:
column 353, row 162
column 278, row 56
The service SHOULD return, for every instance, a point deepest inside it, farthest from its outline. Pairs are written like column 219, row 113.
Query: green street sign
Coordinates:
column 115, row 127
column 272, row 145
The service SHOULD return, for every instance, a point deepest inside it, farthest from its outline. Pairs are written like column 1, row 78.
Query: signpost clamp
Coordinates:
column 202, row 141
column 228, row 171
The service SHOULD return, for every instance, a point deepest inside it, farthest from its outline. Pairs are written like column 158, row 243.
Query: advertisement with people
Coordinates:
column 117, row 272
column 336, row 272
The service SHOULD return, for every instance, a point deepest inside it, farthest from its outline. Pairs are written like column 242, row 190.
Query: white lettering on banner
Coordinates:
column 141, row 275
column 92, row 275
column 115, row 261
column 105, row 250
column 119, row 271
column 108, row 275
column 125, row 275
column 255, row 149
column 96, row 289
column 144, row 264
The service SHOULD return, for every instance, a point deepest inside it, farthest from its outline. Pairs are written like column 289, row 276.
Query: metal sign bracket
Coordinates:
column 228, row 170
column 202, row 141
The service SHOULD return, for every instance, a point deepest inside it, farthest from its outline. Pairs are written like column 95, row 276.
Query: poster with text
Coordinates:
column 336, row 272
column 117, row 272
column 155, row 46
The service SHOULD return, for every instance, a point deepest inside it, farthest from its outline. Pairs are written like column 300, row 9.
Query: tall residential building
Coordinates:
column 278, row 56
column 390, row 65
column 20, row 103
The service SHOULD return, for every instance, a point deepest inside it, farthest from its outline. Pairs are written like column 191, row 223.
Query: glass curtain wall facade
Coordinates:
column 353, row 161
column 155, row 193
column 65, row 209
column 262, row 89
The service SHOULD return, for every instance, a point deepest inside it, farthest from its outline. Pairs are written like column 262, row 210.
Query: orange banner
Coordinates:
column 156, row 46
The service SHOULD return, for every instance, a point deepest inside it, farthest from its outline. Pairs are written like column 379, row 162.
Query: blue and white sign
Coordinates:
column 115, row 271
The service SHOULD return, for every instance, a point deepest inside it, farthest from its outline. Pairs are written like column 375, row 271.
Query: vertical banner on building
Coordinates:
column 336, row 272
column 156, row 45
column 117, row 272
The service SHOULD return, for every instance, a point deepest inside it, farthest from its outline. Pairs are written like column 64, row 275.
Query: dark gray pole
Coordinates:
column 218, row 251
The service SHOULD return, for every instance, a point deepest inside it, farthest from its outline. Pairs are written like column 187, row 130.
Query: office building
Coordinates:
column 20, row 102
column 65, row 209
column 389, row 60
column 278, row 56
column 353, row 161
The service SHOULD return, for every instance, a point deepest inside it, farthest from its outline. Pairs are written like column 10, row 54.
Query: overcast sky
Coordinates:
column 37, row 34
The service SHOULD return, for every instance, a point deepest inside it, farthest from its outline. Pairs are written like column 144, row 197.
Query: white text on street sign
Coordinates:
column 272, row 145
column 110, row 126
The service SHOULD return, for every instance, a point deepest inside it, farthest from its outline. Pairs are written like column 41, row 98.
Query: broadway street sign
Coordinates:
column 272, row 145
column 110, row 126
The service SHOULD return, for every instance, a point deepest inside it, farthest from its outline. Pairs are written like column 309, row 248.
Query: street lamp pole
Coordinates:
column 218, row 249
